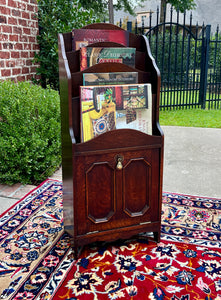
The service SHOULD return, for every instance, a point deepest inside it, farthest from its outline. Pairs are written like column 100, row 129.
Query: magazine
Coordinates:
column 84, row 37
column 105, row 108
column 112, row 78
column 90, row 56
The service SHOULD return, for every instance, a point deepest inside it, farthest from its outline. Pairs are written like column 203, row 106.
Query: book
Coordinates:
column 112, row 78
column 84, row 37
column 109, row 107
column 90, row 56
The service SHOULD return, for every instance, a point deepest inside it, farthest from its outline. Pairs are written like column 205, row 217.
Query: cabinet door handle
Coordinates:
column 119, row 160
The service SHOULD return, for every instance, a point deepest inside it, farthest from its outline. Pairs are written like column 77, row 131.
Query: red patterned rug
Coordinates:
column 36, row 261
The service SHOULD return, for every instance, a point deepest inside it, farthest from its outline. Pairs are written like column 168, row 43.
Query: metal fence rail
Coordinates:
column 189, row 59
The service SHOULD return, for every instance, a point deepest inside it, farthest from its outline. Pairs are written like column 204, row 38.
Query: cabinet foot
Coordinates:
column 156, row 236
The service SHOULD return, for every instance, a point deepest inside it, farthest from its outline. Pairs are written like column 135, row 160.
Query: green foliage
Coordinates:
column 191, row 118
column 56, row 16
column 29, row 132
column 182, row 5
column 101, row 7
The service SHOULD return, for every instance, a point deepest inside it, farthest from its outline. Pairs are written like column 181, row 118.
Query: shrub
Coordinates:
column 29, row 132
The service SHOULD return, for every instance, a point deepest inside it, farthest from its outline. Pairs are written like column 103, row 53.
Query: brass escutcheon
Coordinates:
column 119, row 160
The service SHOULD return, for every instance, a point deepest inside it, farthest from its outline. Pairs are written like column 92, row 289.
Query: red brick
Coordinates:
column 3, row 2
column 12, row 3
column 31, row 39
column 23, row 39
column 3, row 19
column 25, row 15
column 19, row 63
column 16, row 71
column 24, row 54
column 16, row 13
column 21, row 78
column 6, row 29
column 13, row 37
column 28, row 62
column 15, row 54
column 25, row 70
column 26, row 31
column 29, row 77
column 22, row 22
column 6, row 72
column 35, row 47
column 21, row 6
column 18, row 46
column 33, row 69
column 31, row 7
column 4, row 55
column 7, row 46
column 27, row 47
column 17, row 30
column 3, row 37
column 12, row 21
column 5, row 10
column 2, row 64
column 10, row 63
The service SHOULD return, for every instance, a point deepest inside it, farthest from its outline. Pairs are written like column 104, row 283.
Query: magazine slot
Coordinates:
column 77, row 77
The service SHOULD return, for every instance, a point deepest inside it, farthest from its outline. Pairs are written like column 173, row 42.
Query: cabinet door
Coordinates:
column 115, row 190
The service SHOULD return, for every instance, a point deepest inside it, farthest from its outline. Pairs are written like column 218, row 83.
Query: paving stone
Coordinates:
column 24, row 190
column 10, row 190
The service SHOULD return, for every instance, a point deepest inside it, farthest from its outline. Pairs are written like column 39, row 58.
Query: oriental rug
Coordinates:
column 36, row 261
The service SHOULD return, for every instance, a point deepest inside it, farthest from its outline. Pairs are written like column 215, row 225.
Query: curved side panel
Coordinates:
column 100, row 192
column 137, row 187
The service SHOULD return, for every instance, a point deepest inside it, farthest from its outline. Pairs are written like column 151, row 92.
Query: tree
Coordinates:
column 180, row 5
column 104, row 8
column 56, row 16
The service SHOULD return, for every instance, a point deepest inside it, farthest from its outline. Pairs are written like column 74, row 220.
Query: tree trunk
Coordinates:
column 163, row 7
column 111, row 11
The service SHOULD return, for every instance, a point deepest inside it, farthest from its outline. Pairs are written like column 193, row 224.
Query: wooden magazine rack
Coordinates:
column 112, row 184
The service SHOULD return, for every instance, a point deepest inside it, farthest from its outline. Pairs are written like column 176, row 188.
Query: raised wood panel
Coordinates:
column 100, row 192
column 136, row 187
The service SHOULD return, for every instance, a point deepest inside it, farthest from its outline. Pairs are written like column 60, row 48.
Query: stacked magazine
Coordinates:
column 113, row 100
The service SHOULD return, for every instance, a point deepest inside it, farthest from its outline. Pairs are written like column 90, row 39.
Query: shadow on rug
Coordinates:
column 36, row 261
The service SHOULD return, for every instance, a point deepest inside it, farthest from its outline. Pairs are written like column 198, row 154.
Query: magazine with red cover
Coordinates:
column 84, row 37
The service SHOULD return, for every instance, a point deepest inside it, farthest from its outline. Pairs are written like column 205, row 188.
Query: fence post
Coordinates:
column 204, row 66
column 129, row 26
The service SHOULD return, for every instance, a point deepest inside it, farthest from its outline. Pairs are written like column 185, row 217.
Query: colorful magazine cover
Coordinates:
column 98, row 112
column 90, row 56
column 111, row 78
column 104, row 108
column 84, row 37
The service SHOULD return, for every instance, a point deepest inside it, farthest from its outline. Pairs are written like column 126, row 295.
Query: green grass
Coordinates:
column 191, row 118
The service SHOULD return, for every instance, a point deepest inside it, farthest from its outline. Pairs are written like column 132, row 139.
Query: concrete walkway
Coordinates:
column 9, row 195
column 192, row 161
column 192, row 165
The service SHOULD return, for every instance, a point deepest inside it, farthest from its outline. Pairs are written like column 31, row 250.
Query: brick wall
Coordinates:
column 18, row 42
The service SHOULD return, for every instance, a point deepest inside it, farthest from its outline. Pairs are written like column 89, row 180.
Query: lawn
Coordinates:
column 193, row 117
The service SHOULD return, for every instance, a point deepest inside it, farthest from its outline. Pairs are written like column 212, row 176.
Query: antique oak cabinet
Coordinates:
column 112, row 184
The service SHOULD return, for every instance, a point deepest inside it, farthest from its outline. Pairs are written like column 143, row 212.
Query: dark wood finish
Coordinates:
column 101, row 201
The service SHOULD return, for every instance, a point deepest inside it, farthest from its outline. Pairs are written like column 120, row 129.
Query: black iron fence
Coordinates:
column 189, row 59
